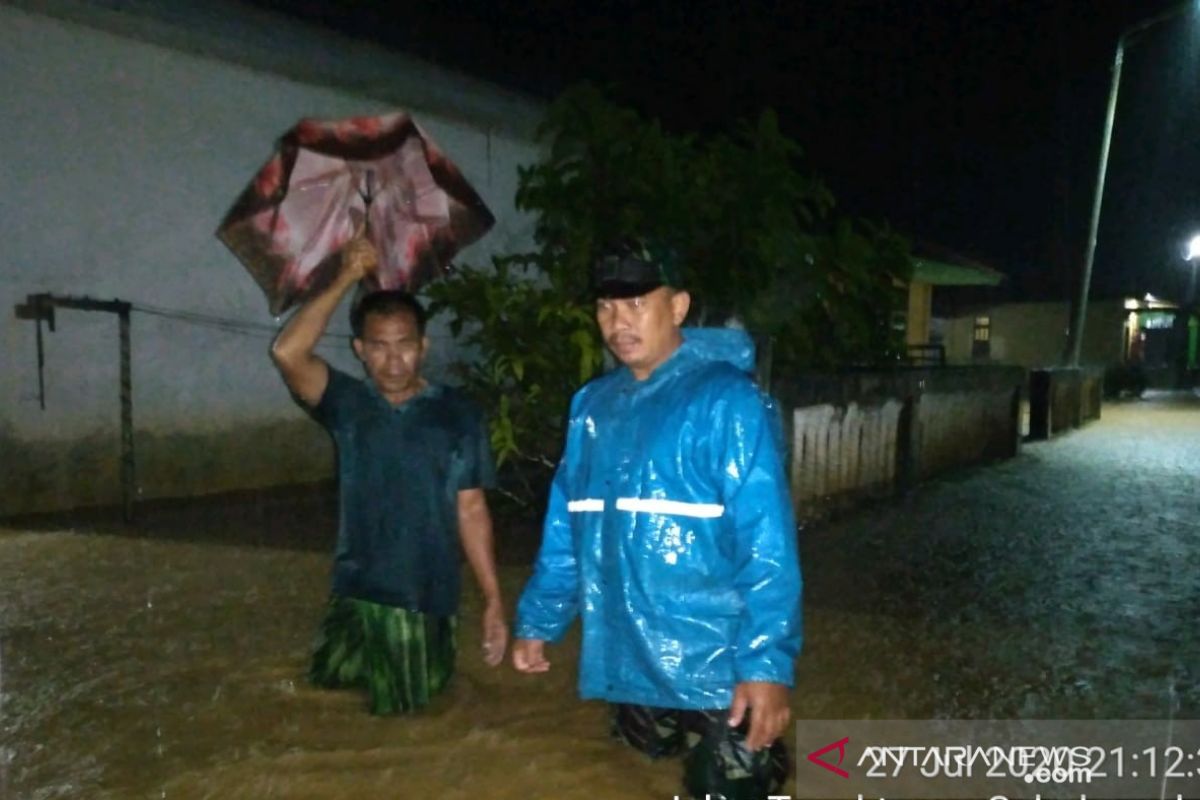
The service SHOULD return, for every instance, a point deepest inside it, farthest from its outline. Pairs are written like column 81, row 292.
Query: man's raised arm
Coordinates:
column 304, row 372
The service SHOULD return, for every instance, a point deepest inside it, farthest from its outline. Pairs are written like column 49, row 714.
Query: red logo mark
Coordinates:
column 840, row 746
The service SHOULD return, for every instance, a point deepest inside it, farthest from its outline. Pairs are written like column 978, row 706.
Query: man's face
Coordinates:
column 642, row 332
column 392, row 350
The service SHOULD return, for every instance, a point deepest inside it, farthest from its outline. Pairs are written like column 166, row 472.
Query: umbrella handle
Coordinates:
column 367, row 193
column 362, row 226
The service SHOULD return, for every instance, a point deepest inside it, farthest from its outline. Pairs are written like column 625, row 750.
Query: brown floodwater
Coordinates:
column 138, row 667
column 167, row 660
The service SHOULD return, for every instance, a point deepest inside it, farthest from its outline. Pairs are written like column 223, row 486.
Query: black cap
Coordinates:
column 632, row 270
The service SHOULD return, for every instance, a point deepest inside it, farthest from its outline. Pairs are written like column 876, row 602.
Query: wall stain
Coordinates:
column 49, row 475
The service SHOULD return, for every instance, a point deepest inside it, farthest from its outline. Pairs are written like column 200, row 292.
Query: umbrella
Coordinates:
column 329, row 179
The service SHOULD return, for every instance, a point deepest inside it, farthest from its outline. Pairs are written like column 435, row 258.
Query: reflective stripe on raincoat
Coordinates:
column 670, row 531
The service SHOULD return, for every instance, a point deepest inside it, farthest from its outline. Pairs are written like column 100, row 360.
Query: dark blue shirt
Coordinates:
column 400, row 469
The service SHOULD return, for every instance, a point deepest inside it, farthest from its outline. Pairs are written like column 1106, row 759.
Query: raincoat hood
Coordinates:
column 731, row 345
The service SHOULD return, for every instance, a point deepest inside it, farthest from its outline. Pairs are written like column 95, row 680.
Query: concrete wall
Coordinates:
column 126, row 138
column 873, row 432
column 843, row 449
column 1063, row 398
column 1033, row 335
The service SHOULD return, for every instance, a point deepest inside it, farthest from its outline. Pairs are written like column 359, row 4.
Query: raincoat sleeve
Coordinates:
column 551, row 598
column 767, row 566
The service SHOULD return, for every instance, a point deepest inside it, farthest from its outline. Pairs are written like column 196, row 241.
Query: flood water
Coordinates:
column 167, row 661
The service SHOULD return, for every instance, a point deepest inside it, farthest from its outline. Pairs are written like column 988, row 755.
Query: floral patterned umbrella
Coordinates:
column 329, row 179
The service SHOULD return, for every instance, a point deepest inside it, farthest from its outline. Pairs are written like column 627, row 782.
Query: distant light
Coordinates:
column 1194, row 247
column 1149, row 297
column 1131, row 304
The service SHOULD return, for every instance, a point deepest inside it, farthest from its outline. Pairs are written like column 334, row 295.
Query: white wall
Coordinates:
column 119, row 158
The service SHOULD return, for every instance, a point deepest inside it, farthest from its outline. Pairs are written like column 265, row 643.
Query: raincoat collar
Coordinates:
column 730, row 345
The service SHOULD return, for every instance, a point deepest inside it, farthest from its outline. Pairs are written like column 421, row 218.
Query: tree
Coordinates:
column 757, row 238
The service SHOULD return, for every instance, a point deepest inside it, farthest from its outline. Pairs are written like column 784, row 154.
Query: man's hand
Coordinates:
column 495, row 634
column 294, row 349
column 528, row 655
column 359, row 258
column 768, row 707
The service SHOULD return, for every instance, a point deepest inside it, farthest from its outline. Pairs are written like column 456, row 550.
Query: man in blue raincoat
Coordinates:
column 670, row 532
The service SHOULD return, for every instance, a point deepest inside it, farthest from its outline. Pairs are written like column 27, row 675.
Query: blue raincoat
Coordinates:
column 670, row 531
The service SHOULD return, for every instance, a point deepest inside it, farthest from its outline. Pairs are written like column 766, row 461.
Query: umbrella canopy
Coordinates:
column 329, row 179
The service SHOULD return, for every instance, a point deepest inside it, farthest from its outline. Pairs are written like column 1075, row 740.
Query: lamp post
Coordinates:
column 1185, row 319
column 1192, row 257
column 1075, row 339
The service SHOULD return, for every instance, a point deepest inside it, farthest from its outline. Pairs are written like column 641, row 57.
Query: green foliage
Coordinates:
column 841, row 308
column 536, row 344
column 757, row 238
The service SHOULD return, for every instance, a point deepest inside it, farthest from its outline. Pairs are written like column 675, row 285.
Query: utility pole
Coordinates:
column 1079, row 317
column 40, row 308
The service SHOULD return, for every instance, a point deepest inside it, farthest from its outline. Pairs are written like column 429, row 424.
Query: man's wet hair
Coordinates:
column 387, row 302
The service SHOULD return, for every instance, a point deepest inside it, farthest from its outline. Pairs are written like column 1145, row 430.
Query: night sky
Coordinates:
column 972, row 125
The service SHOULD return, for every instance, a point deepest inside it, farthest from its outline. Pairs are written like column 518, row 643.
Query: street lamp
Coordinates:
column 1075, row 341
column 1192, row 256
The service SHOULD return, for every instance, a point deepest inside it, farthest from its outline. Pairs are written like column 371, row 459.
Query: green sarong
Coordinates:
column 402, row 658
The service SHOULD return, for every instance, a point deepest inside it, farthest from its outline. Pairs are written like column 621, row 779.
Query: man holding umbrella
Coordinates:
column 413, row 463
column 670, row 532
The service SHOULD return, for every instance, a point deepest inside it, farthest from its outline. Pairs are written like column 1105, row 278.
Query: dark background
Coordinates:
column 973, row 125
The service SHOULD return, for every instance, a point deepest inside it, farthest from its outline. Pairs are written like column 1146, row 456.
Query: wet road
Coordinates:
column 1060, row 584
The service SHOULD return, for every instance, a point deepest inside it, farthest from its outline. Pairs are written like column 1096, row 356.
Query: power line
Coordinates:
column 241, row 327
column 229, row 324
